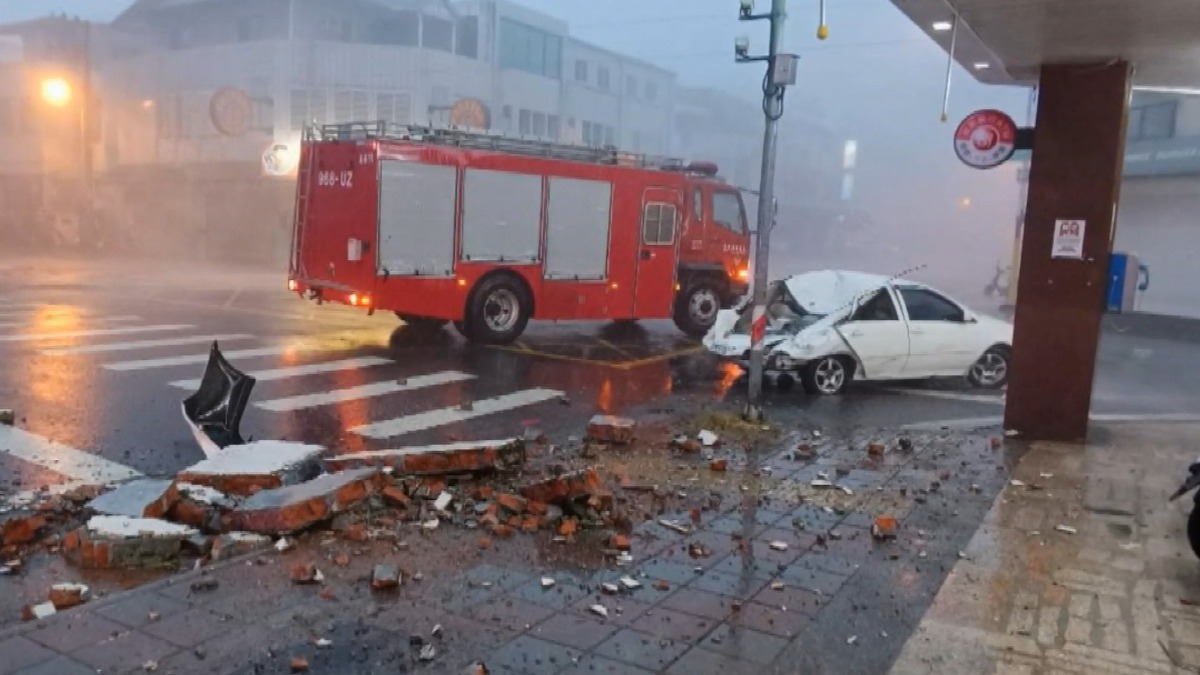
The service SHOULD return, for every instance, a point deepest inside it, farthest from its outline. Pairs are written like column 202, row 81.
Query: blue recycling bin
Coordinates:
column 1127, row 276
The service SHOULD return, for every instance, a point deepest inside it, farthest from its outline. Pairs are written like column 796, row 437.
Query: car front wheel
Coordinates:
column 827, row 376
column 991, row 370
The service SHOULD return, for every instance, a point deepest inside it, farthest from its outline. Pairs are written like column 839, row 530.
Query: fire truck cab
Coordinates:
column 490, row 232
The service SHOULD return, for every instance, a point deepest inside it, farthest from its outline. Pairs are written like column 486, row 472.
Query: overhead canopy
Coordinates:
column 1006, row 41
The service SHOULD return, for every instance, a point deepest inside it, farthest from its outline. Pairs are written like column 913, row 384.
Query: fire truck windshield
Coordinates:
column 728, row 212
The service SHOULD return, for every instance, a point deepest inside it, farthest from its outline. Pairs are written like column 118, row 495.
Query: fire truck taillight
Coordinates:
column 615, row 285
column 462, row 283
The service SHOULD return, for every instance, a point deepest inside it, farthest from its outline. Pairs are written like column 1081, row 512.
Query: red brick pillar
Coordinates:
column 1075, row 174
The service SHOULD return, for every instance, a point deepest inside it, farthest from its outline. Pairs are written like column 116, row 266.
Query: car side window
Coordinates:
column 880, row 307
column 925, row 305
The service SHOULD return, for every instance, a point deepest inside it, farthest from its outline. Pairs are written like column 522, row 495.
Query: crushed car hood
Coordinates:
column 828, row 292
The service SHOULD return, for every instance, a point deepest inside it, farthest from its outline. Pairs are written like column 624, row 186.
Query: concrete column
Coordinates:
column 1075, row 174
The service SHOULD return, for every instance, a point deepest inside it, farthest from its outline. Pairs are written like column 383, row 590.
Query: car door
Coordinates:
column 655, row 286
column 878, row 336
column 940, row 343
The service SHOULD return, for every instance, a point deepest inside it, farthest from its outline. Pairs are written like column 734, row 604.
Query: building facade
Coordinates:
column 1160, row 198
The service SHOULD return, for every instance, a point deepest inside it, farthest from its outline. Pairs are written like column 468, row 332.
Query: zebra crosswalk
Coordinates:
column 301, row 365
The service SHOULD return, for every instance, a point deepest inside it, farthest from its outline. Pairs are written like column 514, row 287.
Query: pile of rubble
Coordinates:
column 253, row 496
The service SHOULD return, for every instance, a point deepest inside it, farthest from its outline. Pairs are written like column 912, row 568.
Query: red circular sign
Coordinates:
column 985, row 139
column 231, row 111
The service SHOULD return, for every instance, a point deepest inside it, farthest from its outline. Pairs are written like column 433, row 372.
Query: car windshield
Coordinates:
column 784, row 314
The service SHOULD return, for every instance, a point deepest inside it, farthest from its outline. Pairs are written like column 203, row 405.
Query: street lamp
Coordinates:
column 56, row 91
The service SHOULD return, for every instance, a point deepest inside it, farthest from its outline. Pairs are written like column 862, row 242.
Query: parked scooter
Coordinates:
column 1193, row 527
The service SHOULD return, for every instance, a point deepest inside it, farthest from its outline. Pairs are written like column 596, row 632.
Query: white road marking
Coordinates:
column 949, row 395
column 95, row 319
column 300, row 371
column 437, row 418
column 32, row 337
column 365, row 391
column 192, row 359
column 76, row 465
column 145, row 344
column 968, row 423
column 965, row 423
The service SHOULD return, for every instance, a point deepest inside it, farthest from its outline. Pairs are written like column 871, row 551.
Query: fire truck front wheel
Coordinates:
column 697, row 305
column 498, row 311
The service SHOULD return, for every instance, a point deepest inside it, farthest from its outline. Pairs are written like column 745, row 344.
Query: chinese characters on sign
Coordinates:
column 1068, row 239
column 985, row 139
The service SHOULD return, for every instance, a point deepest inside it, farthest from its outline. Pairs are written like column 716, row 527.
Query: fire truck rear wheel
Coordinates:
column 499, row 310
column 697, row 306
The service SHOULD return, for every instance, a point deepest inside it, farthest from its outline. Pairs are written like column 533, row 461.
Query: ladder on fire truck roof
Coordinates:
column 360, row 131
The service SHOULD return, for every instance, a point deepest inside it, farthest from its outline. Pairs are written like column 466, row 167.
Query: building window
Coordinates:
column 523, row 47
column 610, row 137
column 437, row 34
column 524, row 123
column 651, row 91
column 1154, row 121
column 468, row 37
column 394, row 108
column 631, row 86
column 401, row 29
column 350, row 106
column 308, row 106
column 251, row 28
column 603, row 78
column 539, row 124
column 581, row 68
column 554, row 127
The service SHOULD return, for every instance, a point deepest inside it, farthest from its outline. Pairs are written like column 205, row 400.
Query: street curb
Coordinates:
column 92, row 605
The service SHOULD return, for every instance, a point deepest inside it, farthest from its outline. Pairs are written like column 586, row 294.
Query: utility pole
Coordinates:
column 781, row 71
column 85, row 119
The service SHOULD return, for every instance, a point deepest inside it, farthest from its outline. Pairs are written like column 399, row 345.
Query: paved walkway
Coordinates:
column 1121, row 596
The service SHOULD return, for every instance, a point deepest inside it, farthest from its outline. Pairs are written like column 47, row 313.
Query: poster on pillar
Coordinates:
column 1068, row 239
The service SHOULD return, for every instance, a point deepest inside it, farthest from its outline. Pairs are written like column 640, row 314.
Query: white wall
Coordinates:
column 1159, row 221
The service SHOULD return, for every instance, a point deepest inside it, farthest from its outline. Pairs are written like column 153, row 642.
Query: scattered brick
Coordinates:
column 620, row 542
column 435, row 460
column 876, row 449
column 8, row 416
column 110, row 542
column 997, row 442
column 503, row 531
column 485, row 492
column 66, row 596
column 395, row 496
column 610, row 429
column 296, row 507
column 661, row 586
column 884, row 527
column 37, row 612
column 234, row 544
column 485, row 543
column 512, row 503
column 537, row 508
column 568, row 527
column 20, row 527
column 146, row 498
column 305, row 573
column 531, row 524
column 719, row 465
column 299, row 664
column 262, row 465
column 356, row 532
column 565, row 488
column 200, row 506
column 385, row 578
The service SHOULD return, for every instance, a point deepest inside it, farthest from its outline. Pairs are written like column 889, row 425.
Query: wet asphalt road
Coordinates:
column 94, row 364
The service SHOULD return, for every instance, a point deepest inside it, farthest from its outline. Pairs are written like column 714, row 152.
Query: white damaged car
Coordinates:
column 831, row 327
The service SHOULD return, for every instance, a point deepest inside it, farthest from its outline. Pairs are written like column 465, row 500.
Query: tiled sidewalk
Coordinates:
column 743, row 609
column 1119, row 597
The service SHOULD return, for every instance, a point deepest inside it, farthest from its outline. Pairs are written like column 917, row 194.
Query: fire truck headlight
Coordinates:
column 291, row 284
column 743, row 274
column 354, row 298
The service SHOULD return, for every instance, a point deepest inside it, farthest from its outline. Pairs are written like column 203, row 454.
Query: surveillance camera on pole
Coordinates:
column 781, row 72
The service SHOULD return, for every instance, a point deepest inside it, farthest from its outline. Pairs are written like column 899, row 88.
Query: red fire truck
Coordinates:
column 489, row 232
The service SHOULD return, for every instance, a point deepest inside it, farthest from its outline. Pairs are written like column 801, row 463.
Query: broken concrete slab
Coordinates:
column 145, row 498
column 20, row 527
column 565, row 488
column 431, row 460
column 611, row 429
column 200, row 506
column 262, row 465
column 109, row 542
column 295, row 507
column 66, row 596
column 37, row 612
column 234, row 544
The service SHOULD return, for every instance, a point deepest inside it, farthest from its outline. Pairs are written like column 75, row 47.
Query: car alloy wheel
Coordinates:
column 829, row 376
column 991, row 370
